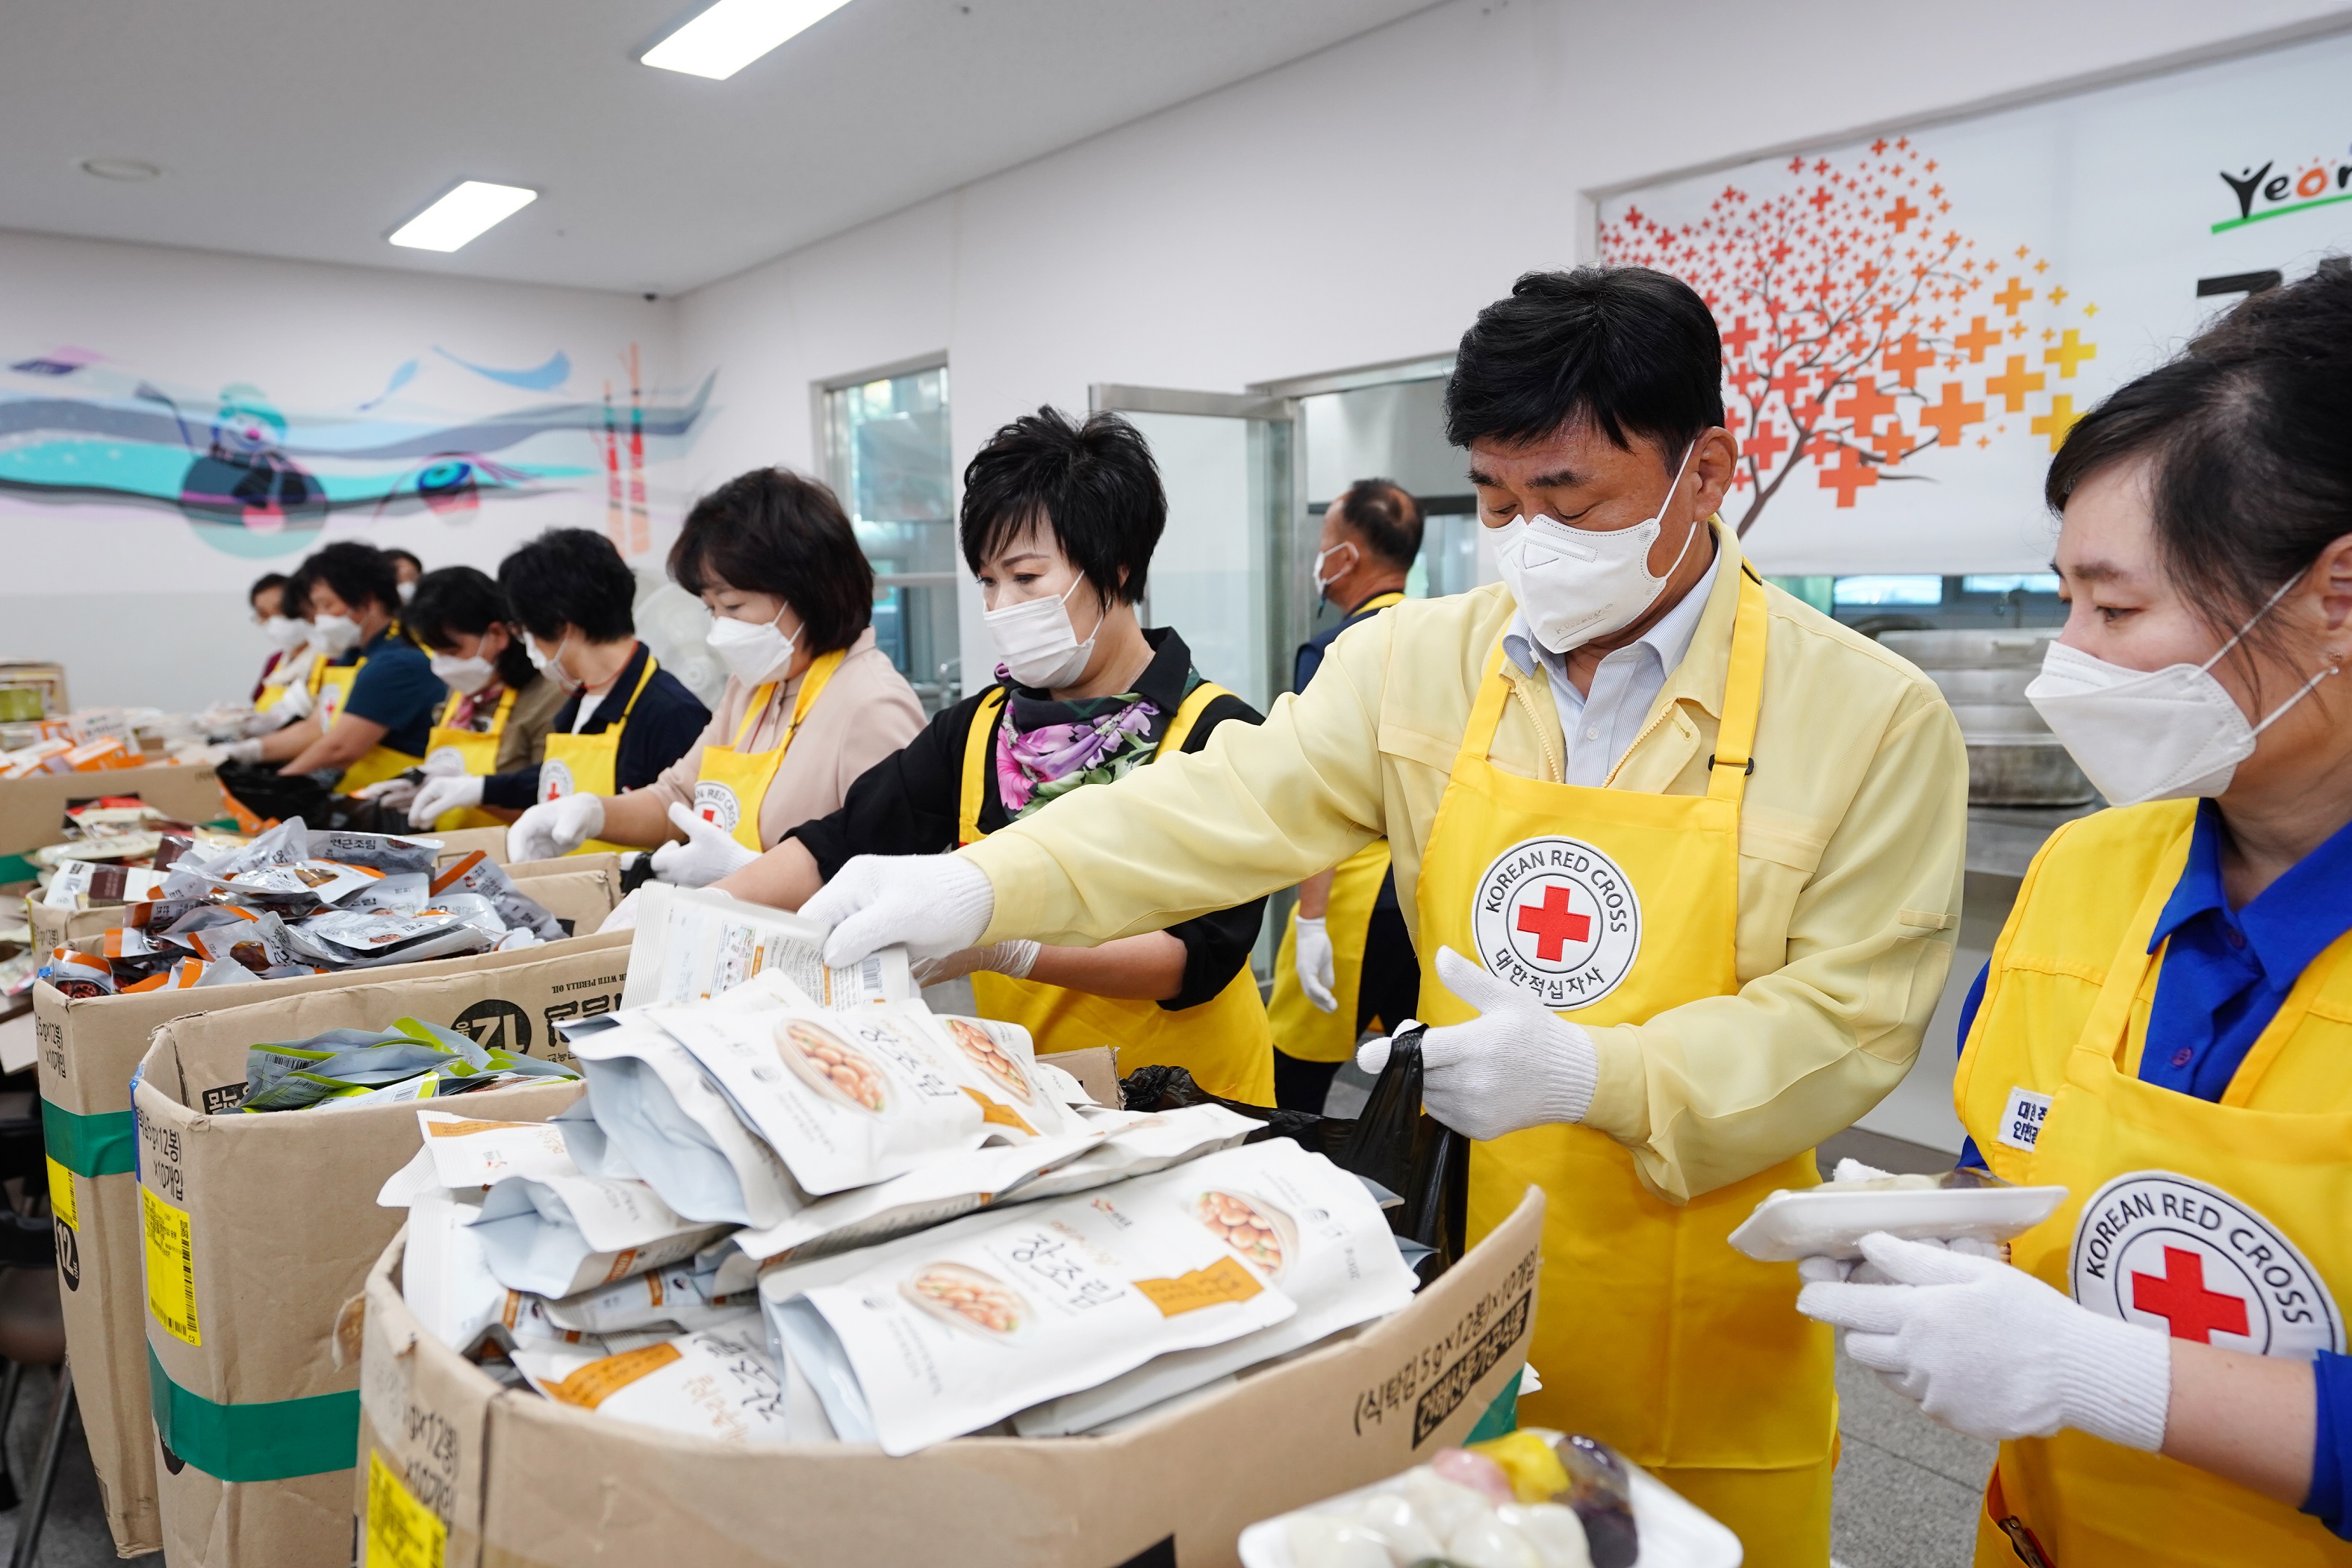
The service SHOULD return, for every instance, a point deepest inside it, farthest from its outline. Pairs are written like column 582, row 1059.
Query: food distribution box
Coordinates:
column 457, row 1471
column 88, row 1048
column 33, row 810
column 257, row 1229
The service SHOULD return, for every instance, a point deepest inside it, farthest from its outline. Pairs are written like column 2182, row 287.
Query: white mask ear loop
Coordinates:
column 1695, row 523
column 2254, row 620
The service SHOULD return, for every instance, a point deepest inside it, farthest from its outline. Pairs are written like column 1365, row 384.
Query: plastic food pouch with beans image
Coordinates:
column 719, row 1382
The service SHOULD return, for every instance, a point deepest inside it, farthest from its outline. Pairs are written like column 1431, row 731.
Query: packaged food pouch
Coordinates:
column 1303, row 1224
column 949, row 1330
column 720, row 1383
column 403, row 893
column 693, row 945
column 385, row 852
column 556, row 1236
column 475, row 873
column 676, row 1298
column 1135, row 1144
column 654, row 1106
column 300, row 882
column 78, row 975
column 444, row 1276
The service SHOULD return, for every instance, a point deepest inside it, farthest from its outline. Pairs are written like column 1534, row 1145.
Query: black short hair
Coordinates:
column 358, row 573
column 409, row 556
column 569, row 577
column 263, row 583
column 294, row 598
column 1384, row 515
column 2247, row 431
column 1095, row 485
column 1626, row 350
column 466, row 601
column 775, row 531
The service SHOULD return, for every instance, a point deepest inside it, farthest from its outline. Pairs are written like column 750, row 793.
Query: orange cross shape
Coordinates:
column 1950, row 417
column 2015, row 384
column 2069, row 353
column 1866, row 405
column 1901, row 213
column 1908, row 358
column 2010, row 298
column 1976, row 339
column 2058, row 421
column 1850, row 476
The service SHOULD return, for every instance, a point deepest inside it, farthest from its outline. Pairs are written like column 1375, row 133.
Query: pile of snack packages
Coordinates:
column 344, row 1069
column 109, row 854
column 291, row 901
column 95, row 740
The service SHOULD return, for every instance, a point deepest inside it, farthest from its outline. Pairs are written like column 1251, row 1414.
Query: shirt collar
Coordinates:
column 1670, row 639
column 2288, row 924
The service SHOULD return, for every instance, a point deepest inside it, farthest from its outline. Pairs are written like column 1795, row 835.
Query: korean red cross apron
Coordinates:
column 588, row 764
column 733, row 782
column 1651, row 1332
column 476, row 753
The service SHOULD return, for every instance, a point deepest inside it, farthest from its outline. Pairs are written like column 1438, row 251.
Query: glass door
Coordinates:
column 886, row 456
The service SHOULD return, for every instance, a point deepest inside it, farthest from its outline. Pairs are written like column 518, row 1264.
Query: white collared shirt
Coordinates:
column 1602, row 727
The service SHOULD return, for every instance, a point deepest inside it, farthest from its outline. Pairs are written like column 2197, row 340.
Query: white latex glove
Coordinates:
column 624, row 916
column 1991, row 1351
column 1310, row 955
column 555, row 828
column 708, row 853
column 933, row 903
column 1517, row 1065
column 394, row 792
column 1015, row 957
column 296, row 704
column 443, row 792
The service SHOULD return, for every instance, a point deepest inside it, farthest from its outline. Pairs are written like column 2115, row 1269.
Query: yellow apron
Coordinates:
column 586, row 765
column 330, row 684
column 272, row 694
column 2219, row 1222
column 1651, row 1332
column 1303, row 1031
column 476, row 752
column 733, row 782
column 1224, row 1042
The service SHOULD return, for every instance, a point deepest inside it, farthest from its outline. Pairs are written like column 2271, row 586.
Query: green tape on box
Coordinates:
column 100, row 1145
column 1502, row 1417
column 16, row 869
column 269, row 1440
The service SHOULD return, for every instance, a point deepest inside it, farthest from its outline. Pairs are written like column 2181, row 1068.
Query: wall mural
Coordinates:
column 80, row 427
column 1912, row 323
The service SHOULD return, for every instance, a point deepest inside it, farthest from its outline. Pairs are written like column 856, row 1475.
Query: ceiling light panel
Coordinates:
column 464, row 213
column 733, row 33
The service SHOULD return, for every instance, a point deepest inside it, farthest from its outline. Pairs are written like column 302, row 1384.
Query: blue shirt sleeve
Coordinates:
column 397, row 688
column 2331, row 1453
column 1970, row 1157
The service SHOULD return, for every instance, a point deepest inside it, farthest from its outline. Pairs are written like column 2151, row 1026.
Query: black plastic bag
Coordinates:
column 270, row 795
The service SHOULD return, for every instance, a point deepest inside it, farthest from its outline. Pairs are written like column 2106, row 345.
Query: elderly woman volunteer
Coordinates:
column 1059, row 524
column 811, row 702
column 1704, row 843
column 2165, row 1027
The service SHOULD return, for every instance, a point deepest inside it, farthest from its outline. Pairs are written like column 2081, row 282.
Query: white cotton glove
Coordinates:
column 446, row 765
column 1862, row 1271
column 624, row 916
column 392, row 793
column 1993, row 1353
column 1311, row 956
column 255, row 725
column 935, row 904
column 443, row 793
column 1015, row 957
column 234, row 752
column 708, row 854
column 1517, row 1065
column 555, row 828
column 296, row 704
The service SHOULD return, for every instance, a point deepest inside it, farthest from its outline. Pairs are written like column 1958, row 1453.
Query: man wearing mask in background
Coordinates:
column 1346, row 962
column 1681, row 855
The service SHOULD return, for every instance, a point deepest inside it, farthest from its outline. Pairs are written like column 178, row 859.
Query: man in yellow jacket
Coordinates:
column 1682, row 855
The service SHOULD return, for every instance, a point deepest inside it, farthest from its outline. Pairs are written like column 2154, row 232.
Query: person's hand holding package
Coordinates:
column 1316, row 964
column 555, row 828
column 708, row 853
column 1517, row 1065
column 935, row 904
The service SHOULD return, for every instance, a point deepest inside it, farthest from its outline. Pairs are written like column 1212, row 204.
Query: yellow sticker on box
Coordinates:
column 61, row 1196
column 171, row 1267
column 1222, row 1281
column 401, row 1532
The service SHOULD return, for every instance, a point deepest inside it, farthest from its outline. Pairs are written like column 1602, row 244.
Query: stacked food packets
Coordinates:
column 772, row 1220
column 342, row 1070
column 298, row 901
column 116, row 851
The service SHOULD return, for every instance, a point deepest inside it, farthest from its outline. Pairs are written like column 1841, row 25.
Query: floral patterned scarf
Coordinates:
column 1046, row 749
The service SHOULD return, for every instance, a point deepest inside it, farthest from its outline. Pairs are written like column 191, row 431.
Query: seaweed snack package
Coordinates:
column 852, row 1098
column 720, row 1383
column 946, row 1332
column 412, row 1060
column 693, row 945
column 1305, row 1225
column 556, row 1236
column 675, row 1301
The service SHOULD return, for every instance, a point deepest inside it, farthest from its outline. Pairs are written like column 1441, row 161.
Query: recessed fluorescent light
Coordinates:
column 461, row 215
column 734, row 33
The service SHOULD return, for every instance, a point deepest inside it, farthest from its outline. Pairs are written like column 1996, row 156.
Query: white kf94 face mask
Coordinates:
column 463, row 676
column 551, row 665
column 1575, row 583
column 2138, row 735
column 337, row 633
column 752, row 651
column 1038, row 642
column 286, row 632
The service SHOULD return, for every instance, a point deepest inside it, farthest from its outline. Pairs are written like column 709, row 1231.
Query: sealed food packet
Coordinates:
column 558, row 1234
column 676, row 1298
column 693, row 945
column 949, row 1330
column 718, row 1383
column 475, row 873
column 1303, row 1225
column 411, row 1060
column 78, row 975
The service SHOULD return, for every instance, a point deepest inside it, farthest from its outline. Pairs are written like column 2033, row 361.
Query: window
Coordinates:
column 1905, row 590
column 886, row 456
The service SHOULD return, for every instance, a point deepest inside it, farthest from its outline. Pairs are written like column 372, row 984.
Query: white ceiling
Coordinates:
column 311, row 129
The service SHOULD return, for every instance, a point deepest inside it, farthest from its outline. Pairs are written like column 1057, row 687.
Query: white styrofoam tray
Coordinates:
column 1826, row 1221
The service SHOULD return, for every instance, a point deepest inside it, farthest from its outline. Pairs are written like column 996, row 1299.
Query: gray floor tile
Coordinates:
column 75, row 1535
column 1908, row 1488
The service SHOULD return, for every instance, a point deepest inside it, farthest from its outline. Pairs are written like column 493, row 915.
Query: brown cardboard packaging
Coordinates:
column 33, row 810
column 256, row 1230
column 456, row 1470
column 88, row 1051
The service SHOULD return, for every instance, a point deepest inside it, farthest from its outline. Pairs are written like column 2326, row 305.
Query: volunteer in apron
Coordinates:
column 1059, row 524
column 622, row 717
column 811, row 701
column 1691, row 972
column 498, row 711
column 2165, row 1027
column 286, row 635
column 1346, row 964
column 374, row 694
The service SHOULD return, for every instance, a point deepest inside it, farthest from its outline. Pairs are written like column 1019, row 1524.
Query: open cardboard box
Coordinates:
column 33, row 810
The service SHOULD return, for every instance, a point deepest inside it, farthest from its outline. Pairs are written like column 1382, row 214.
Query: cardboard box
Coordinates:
column 456, row 1470
column 88, row 1051
column 257, row 1229
column 33, row 810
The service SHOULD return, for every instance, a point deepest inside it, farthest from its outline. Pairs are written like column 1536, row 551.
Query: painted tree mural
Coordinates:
column 1862, row 327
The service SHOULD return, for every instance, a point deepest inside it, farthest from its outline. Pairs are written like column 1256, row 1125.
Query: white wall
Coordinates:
column 1361, row 205
column 142, row 610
